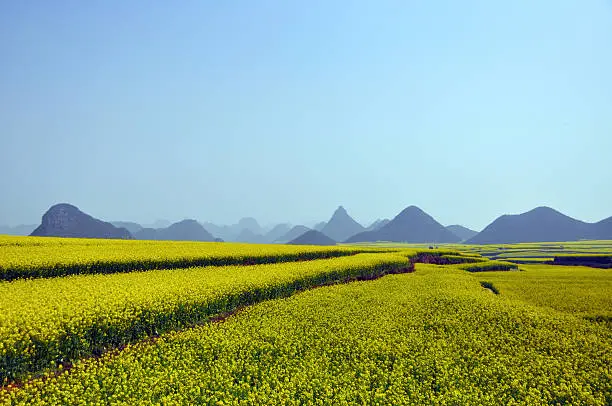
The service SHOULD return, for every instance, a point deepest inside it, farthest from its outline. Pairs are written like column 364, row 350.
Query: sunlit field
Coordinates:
column 376, row 324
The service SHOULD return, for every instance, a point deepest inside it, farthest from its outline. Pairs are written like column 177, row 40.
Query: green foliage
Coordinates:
column 488, row 266
column 464, row 259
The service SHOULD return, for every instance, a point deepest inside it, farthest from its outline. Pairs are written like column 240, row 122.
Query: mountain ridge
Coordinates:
column 540, row 224
column 292, row 234
column 66, row 220
column 411, row 225
column 184, row 230
column 462, row 232
column 312, row 237
column 341, row 225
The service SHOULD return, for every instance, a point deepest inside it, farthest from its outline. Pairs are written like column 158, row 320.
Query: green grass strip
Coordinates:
column 489, row 266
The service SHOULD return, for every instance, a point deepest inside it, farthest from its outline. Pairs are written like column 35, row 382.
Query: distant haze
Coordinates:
column 282, row 111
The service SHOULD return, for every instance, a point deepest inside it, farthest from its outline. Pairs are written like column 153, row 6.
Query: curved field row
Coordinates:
column 47, row 322
column 36, row 257
column 582, row 291
column 489, row 266
column 431, row 337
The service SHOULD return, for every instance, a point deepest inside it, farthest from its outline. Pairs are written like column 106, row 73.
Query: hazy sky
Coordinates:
column 283, row 110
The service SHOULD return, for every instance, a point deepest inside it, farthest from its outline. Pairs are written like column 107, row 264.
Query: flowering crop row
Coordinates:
column 430, row 337
column 583, row 291
column 35, row 257
column 488, row 266
column 47, row 322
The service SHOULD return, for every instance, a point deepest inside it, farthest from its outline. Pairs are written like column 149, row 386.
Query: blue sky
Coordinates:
column 284, row 110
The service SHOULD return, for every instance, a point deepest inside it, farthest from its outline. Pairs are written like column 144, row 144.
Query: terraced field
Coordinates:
column 295, row 332
column 54, row 320
column 28, row 257
column 537, row 253
column 591, row 252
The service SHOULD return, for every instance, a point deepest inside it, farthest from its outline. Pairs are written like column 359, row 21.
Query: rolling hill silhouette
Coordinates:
column 603, row 229
column 249, row 223
column 463, row 233
column 319, row 226
column 312, row 237
column 21, row 229
column 66, row 220
column 539, row 224
column 341, row 226
column 292, row 234
column 412, row 225
column 277, row 232
column 227, row 233
column 186, row 230
column 235, row 232
column 247, row 235
column 128, row 225
column 377, row 225
column 159, row 223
